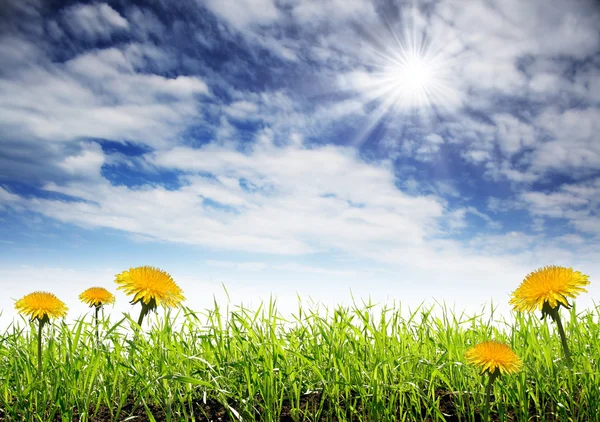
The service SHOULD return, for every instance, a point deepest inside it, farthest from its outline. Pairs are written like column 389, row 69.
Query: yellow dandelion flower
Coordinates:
column 551, row 285
column 494, row 357
column 41, row 306
column 151, row 286
column 97, row 296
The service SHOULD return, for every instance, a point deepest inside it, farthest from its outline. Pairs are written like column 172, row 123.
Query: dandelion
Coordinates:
column 547, row 289
column 97, row 297
column 41, row 306
column 494, row 359
column 151, row 287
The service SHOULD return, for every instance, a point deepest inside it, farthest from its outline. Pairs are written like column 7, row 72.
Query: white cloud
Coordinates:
column 16, row 52
column 555, row 27
column 456, row 220
column 503, row 169
column 495, row 35
column 313, row 12
column 341, row 109
column 556, row 204
column 490, row 72
column 7, row 198
column 558, row 83
column 358, row 80
column 513, row 134
column 571, row 239
column 476, row 156
column 587, row 84
column 87, row 163
column 515, row 242
column 489, row 220
column 429, row 148
column 488, row 62
column 575, row 147
column 241, row 109
column 564, row 142
column 434, row 138
column 242, row 13
column 144, row 23
column 115, row 70
column 96, row 64
column 286, row 201
column 276, row 200
column 98, row 94
column 588, row 224
column 547, row 83
column 577, row 203
column 283, row 48
column 94, row 21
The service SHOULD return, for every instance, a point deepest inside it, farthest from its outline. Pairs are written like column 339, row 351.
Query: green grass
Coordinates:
column 362, row 363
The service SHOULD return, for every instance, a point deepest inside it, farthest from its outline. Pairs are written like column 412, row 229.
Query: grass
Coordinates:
column 360, row 363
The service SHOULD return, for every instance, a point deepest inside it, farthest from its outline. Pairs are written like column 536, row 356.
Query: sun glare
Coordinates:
column 413, row 72
column 409, row 75
column 413, row 79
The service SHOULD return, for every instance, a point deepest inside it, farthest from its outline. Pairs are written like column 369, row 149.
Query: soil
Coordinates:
column 214, row 411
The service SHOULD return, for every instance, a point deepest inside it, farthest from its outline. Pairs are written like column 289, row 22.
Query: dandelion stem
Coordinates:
column 563, row 337
column 96, row 320
column 39, row 345
column 488, row 395
column 142, row 314
column 146, row 308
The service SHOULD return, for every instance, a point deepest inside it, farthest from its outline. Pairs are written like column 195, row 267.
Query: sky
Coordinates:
column 402, row 151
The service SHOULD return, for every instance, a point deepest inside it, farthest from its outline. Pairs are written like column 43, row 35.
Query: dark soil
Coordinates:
column 215, row 411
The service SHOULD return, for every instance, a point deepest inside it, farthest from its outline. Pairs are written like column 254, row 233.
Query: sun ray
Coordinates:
column 411, row 76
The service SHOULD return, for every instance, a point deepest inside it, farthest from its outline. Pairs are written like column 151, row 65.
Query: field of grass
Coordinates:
column 360, row 363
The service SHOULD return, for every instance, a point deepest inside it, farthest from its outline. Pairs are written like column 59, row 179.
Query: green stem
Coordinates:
column 488, row 395
column 146, row 308
column 40, row 326
column 563, row 338
column 96, row 320
column 142, row 314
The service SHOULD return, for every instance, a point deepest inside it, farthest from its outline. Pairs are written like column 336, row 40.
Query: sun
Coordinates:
column 408, row 76
column 412, row 79
column 412, row 72
column 412, row 75
column 416, row 74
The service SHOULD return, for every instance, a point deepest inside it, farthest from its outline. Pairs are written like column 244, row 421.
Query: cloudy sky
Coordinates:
column 395, row 149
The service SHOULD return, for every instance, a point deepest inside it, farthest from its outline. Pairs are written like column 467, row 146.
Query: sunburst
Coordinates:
column 411, row 71
column 414, row 73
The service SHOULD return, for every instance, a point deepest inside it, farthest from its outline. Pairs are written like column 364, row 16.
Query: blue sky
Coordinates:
column 401, row 150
